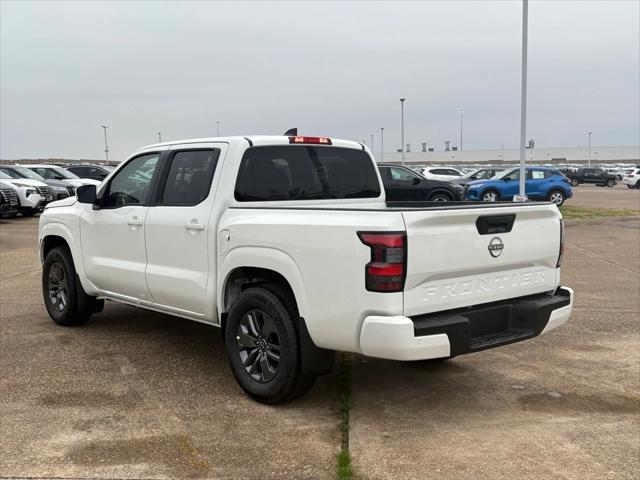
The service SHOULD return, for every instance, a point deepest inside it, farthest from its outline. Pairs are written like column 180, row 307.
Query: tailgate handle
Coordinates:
column 495, row 224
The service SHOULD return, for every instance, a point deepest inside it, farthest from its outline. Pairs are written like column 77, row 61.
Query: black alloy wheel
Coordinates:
column 258, row 345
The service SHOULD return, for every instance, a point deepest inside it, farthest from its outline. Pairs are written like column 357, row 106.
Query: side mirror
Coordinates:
column 416, row 181
column 86, row 194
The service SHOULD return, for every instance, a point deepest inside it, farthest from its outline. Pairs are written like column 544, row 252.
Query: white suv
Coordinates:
column 33, row 195
column 441, row 173
column 632, row 178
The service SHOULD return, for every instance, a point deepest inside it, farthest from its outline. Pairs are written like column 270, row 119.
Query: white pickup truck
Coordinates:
column 288, row 245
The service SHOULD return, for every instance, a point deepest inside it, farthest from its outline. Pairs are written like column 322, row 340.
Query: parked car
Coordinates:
column 95, row 172
column 632, row 178
column 33, row 195
column 403, row 184
column 441, row 173
column 617, row 171
column 59, row 189
column 287, row 245
column 8, row 200
column 541, row 184
column 478, row 174
column 58, row 174
column 596, row 176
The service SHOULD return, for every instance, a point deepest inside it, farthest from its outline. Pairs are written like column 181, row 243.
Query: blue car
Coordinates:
column 541, row 184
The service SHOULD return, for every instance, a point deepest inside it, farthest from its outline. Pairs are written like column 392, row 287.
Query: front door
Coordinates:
column 180, row 237
column 113, row 238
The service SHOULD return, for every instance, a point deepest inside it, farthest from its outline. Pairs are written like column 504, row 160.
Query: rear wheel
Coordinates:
column 556, row 196
column 490, row 196
column 611, row 182
column 574, row 182
column 66, row 301
column 263, row 348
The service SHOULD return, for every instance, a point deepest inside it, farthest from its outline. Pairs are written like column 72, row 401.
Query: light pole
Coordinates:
column 402, row 126
column 217, row 129
column 372, row 143
column 159, row 137
column 523, row 97
column 381, row 143
column 589, row 149
column 460, row 112
column 106, row 145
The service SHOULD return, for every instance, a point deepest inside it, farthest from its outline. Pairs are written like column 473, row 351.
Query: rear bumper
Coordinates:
column 467, row 330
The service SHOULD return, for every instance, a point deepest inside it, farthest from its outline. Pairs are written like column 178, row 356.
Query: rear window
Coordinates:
column 302, row 172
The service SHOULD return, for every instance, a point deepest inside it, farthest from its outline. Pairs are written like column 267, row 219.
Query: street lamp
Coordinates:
column 106, row 145
column 217, row 129
column 589, row 149
column 372, row 143
column 523, row 97
column 402, row 126
column 381, row 143
column 159, row 137
column 460, row 112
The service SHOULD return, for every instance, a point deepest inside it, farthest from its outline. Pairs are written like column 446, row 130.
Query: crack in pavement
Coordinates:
column 605, row 259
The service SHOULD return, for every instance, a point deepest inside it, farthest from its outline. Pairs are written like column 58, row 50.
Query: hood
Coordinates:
column 463, row 181
column 87, row 181
column 65, row 202
column 56, row 183
column 25, row 181
column 5, row 184
column 478, row 183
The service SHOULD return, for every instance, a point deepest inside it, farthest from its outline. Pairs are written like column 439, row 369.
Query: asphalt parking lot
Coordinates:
column 604, row 197
column 135, row 394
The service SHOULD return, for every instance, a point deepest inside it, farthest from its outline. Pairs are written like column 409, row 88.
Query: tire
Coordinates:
column 557, row 197
column 440, row 197
column 490, row 196
column 574, row 182
column 611, row 182
column 66, row 301
column 262, row 346
column 630, row 186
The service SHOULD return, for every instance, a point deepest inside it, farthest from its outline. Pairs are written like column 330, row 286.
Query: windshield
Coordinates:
column 108, row 168
column 4, row 176
column 64, row 173
column 26, row 173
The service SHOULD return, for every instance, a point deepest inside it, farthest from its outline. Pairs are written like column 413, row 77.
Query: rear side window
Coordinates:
column 537, row 174
column 189, row 179
column 302, row 172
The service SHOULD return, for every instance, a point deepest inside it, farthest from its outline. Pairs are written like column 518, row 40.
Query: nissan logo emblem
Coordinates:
column 495, row 247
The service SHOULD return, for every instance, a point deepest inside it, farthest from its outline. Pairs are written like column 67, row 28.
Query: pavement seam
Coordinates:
column 31, row 270
column 600, row 257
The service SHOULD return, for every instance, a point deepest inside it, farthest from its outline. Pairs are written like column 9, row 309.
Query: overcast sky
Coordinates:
column 328, row 68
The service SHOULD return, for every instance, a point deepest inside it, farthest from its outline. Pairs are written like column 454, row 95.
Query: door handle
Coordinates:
column 135, row 222
column 194, row 226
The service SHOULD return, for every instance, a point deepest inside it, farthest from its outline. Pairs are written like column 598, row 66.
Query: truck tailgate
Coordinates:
column 456, row 260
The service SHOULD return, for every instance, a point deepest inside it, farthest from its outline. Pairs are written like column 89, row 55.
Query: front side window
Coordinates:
column 132, row 184
column 304, row 172
column 190, row 175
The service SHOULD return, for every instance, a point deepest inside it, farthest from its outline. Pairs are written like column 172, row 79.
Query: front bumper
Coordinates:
column 466, row 330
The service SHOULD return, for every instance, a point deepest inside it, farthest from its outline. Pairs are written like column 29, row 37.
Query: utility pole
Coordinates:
column 523, row 97
column 372, row 143
column 159, row 137
column 381, row 144
column 589, row 149
column 460, row 112
column 402, row 126
column 217, row 129
column 106, row 145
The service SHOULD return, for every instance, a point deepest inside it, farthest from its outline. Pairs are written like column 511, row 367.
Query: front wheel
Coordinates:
column 557, row 197
column 440, row 197
column 66, row 301
column 610, row 182
column 490, row 196
column 263, row 348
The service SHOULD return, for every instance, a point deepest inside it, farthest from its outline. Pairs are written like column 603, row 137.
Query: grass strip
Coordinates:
column 344, row 469
column 570, row 213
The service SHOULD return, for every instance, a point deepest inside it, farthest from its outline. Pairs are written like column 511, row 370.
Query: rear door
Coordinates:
column 535, row 184
column 180, row 240
column 456, row 260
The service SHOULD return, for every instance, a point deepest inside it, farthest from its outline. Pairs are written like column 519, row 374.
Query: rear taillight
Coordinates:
column 561, row 253
column 388, row 266
column 311, row 140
